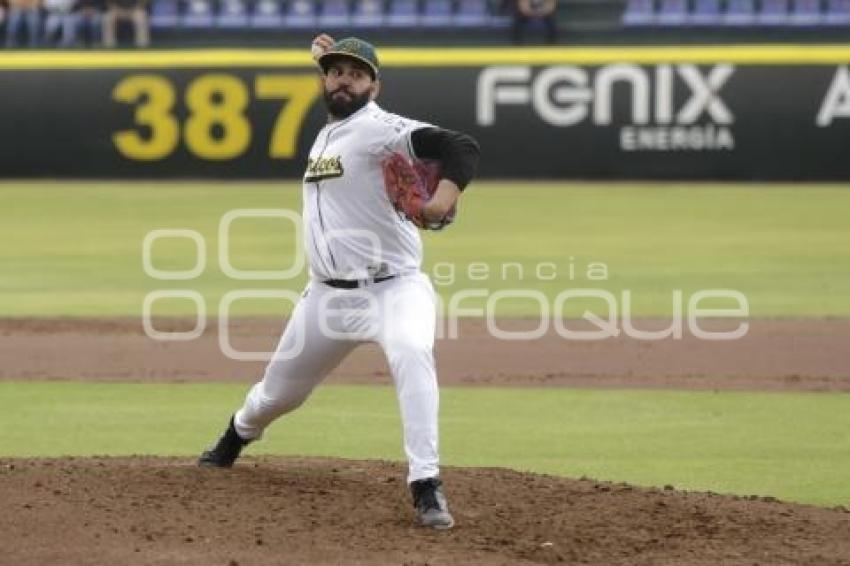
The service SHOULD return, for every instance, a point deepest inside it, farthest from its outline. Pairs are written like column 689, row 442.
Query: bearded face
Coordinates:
column 349, row 85
column 342, row 101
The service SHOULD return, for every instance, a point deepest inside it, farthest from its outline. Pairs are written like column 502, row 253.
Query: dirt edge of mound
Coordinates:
column 268, row 510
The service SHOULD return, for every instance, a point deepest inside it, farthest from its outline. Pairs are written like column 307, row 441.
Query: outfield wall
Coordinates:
column 739, row 112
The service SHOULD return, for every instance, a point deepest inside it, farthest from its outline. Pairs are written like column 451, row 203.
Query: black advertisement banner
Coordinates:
column 613, row 120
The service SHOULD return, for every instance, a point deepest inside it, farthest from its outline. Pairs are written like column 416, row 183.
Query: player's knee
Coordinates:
column 411, row 351
column 282, row 406
column 273, row 406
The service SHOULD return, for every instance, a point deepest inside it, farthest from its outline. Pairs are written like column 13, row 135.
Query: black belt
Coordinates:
column 355, row 283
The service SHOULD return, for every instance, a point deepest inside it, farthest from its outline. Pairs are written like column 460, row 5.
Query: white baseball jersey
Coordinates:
column 351, row 230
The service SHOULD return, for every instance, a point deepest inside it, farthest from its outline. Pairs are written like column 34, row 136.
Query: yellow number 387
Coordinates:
column 216, row 128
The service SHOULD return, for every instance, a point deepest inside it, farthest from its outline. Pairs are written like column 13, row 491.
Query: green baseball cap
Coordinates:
column 355, row 48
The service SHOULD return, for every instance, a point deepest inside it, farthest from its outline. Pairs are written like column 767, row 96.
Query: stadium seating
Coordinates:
column 335, row 14
column 837, row 13
column 368, row 14
column 472, row 13
column 199, row 14
column 736, row 13
column 445, row 14
column 639, row 13
column 740, row 13
column 342, row 16
column 773, row 13
column 705, row 13
column 165, row 14
column 436, row 13
column 305, row 15
column 302, row 14
column 672, row 13
column 232, row 14
column 806, row 13
column 402, row 13
column 267, row 14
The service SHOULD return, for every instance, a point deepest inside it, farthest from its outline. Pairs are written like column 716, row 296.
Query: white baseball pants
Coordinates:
column 327, row 324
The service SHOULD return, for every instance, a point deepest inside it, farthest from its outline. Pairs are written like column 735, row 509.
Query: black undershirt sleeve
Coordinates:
column 458, row 153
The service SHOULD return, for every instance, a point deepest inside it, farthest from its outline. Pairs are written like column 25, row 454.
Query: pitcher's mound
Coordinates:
column 296, row 511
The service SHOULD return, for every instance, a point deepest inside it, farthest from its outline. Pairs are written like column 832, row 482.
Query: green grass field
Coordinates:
column 793, row 446
column 75, row 249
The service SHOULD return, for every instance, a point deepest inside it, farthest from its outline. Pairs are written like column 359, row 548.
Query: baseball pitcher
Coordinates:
column 372, row 180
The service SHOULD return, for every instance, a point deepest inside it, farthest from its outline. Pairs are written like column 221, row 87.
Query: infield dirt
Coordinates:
column 794, row 354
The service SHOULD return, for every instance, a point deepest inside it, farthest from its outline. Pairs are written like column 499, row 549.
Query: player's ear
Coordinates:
column 376, row 89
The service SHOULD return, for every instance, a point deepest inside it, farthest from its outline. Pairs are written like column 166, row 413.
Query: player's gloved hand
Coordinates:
column 410, row 185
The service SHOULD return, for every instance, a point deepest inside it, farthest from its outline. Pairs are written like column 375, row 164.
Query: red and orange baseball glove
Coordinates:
column 410, row 185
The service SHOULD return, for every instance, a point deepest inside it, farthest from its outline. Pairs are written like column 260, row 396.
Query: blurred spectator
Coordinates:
column 24, row 12
column 527, row 11
column 133, row 10
column 89, row 14
column 60, row 18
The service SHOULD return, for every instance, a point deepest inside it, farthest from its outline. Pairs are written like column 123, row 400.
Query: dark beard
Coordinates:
column 341, row 109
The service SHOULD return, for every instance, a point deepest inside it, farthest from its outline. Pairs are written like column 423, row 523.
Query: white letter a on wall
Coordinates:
column 836, row 104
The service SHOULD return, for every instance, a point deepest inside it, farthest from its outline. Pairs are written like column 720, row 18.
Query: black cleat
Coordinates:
column 226, row 450
column 430, row 504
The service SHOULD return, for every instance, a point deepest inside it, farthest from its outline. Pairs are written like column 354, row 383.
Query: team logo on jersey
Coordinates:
column 323, row 168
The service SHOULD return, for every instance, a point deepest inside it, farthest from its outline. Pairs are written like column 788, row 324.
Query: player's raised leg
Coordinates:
column 304, row 356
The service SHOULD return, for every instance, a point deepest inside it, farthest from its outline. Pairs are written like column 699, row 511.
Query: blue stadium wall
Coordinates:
column 733, row 112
